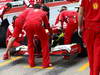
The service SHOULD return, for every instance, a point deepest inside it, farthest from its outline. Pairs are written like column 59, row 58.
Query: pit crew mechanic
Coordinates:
column 31, row 20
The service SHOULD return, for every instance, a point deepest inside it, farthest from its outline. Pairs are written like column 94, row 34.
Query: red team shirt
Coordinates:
column 92, row 16
column 20, row 22
column 70, row 17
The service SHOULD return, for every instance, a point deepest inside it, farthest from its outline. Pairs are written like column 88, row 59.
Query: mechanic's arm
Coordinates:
column 61, row 20
column 57, row 20
column 80, row 20
column 47, row 25
column 9, row 45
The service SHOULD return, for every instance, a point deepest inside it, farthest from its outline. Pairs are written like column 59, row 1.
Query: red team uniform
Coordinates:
column 91, row 13
column 20, row 39
column 31, row 20
column 71, row 19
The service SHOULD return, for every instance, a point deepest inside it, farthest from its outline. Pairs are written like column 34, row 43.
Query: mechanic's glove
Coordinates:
column 80, row 31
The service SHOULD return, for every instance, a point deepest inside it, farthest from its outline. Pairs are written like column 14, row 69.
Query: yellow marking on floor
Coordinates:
column 1, row 58
column 38, row 67
column 10, row 60
column 82, row 68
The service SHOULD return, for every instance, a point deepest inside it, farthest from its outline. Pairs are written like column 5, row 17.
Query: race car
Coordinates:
column 60, row 50
column 68, row 50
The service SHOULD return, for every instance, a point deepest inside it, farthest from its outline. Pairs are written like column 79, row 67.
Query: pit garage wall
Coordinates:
column 50, row 4
column 54, row 10
column 5, row 1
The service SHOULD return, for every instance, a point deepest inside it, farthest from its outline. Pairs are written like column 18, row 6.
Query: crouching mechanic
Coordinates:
column 31, row 20
column 20, row 40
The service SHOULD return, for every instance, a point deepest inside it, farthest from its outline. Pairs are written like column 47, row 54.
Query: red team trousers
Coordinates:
column 69, row 31
column 92, row 41
column 30, row 31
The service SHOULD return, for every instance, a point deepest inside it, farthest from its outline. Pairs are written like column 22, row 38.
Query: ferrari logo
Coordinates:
column 95, row 6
